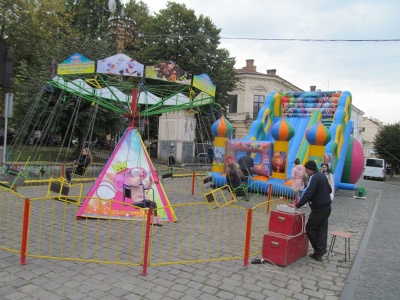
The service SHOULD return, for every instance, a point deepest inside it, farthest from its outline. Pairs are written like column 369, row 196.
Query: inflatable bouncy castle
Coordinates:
column 305, row 125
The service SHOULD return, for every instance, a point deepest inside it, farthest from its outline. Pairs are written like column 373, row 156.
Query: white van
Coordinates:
column 374, row 168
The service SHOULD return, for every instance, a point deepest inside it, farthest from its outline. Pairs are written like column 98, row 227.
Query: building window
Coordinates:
column 233, row 134
column 233, row 103
column 258, row 102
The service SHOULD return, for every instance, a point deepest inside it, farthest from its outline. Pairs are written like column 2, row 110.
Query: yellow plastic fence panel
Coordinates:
column 11, row 219
column 260, row 227
column 59, row 189
column 219, row 197
column 55, row 232
column 177, row 171
column 201, row 235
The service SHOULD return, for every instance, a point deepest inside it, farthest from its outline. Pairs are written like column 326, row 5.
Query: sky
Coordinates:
column 369, row 70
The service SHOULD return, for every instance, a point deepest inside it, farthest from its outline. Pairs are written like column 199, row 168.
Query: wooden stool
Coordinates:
column 346, row 236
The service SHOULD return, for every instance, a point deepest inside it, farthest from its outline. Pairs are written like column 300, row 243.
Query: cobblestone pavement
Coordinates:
column 376, row 269
column 371, row 274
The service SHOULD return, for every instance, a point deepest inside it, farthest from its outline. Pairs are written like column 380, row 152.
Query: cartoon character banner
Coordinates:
column 120, row 64
column 76, row 64
column 261, row 153
column 203, row 82
column 111, row 196
column 168, row 71
column 279, row 162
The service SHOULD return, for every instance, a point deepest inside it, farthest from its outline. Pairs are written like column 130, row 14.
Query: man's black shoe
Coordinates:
column 316, row 257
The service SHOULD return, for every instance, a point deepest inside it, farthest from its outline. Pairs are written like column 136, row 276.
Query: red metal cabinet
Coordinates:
column 286, row 223
column 282, row 249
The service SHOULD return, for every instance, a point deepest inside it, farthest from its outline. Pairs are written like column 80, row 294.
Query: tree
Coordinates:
column 89, row 17
column 33, row 31
column 176, row 34
column 139, row 12
column 387, row 144
column 45, row 30
column 40, row 31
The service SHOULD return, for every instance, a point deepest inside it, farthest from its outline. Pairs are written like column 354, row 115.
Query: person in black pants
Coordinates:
column 317, row 193
column 246, row 162
column 234, row 176
column 171, row 160
column 80, row 164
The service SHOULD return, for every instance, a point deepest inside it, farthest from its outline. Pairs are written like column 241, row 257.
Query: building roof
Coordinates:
column 251, row 69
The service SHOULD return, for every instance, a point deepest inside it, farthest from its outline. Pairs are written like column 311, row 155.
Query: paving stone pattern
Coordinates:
column 378, row 276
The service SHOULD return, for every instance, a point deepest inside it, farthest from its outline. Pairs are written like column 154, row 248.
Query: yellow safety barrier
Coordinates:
column 55, row 232
column 259, row 227
column 219, row 197
column 11, row 216
column 201, row 235
column 59, row 188
column 233, row 230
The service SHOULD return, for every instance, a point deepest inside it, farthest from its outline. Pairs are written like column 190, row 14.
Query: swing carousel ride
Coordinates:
column 119, row 85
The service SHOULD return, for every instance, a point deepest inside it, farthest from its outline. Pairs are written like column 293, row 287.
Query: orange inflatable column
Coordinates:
column 221, row 129
column 282, row 132
column 318, row 136
column 218, row 164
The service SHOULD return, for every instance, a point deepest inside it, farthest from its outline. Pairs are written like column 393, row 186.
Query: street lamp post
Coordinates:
column 8, row 102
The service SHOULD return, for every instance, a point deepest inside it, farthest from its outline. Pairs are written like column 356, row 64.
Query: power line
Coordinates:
column 310, row 40
column 274, row 39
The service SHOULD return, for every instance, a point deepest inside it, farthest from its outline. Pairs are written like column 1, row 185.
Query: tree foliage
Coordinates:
column 175, row 33
column 39, row 31
column 387, row 144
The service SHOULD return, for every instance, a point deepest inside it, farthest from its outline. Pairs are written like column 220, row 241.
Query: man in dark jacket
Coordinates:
column 318, row 194
column 171, row 161
column 246, row 162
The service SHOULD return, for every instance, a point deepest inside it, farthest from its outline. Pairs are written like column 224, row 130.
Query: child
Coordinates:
column 139, row 194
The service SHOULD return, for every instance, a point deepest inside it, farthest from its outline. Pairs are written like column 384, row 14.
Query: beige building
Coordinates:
column 371, row 126
column 357, row 119
column 249, row 96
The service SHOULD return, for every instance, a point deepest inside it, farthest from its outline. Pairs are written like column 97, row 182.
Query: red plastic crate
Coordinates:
column 283, row 250
column 286, row 223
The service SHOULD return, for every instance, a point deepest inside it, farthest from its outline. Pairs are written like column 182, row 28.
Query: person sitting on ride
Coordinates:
column 234, row 176
column 80, row 164
column 246, row 163
column 140, row 194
